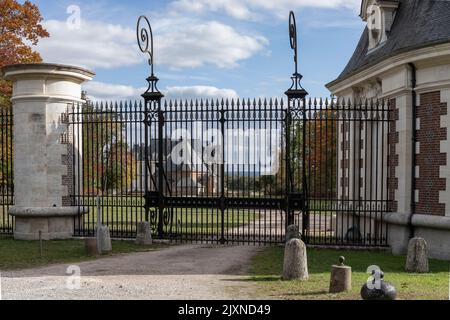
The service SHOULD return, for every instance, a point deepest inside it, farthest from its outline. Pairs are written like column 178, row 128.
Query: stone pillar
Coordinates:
column 42, row 158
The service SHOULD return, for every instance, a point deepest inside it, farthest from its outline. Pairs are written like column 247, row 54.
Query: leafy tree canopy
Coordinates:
column 20, row 30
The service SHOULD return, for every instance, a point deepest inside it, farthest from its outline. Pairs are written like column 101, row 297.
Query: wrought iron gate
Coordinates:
column 206, row 177
column 234, row 171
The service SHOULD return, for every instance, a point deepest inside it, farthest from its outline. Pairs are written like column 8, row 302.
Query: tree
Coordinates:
column 317, row 137
column 320, row 141
column 107, row 158
column 322, row 154
column 20, row 29
column 120, row 169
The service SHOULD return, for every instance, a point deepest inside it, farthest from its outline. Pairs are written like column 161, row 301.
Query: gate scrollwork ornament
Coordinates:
column 153, row 217
column 144, row 36
column 168, row 214
column 296, row 91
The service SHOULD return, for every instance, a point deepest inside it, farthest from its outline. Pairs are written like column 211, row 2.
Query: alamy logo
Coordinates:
column 73, row 282
column 374, row 17
column 245, row 147
column 374, row 281
column 74, row 20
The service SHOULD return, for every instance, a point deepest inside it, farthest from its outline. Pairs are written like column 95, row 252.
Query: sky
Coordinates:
column 203, row 48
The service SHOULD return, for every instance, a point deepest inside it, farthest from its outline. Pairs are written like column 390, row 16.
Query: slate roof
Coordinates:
column 418, row 24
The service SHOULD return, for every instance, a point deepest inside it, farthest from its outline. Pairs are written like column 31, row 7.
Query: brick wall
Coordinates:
column 429, row 159
column 393, row 159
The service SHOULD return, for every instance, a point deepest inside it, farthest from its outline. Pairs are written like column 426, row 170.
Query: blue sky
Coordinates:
column 204, row 47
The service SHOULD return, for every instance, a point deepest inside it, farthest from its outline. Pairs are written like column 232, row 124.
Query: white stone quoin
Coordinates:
column 42, row 159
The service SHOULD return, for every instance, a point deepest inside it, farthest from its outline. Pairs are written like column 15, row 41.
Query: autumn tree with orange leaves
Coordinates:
column 319, row 136
column 20, row 30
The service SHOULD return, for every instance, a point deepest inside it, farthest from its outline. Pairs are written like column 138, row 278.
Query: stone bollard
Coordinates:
column 341, row 277
column 292, row 232
column 105, row 239
column 295, row 260
column 90, row 245
column 417, row 259
column 144, row 234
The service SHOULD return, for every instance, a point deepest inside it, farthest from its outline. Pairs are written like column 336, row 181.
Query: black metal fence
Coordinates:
column 339, row 161
column 107, row 145
column 6, row 170
column 234, row 171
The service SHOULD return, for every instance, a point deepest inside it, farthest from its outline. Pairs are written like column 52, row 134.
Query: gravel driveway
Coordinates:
column 178, row 272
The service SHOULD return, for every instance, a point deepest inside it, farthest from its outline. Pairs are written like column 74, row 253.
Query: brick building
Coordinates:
column 403, row 57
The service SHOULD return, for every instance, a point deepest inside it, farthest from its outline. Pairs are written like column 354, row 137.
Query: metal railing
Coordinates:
column 6, row 169
column 336, row 190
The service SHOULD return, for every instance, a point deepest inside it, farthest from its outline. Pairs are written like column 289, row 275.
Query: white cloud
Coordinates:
column 115, row 92
column 333, row 24
column 199, row 92
column 106, row 91
column 210, row 43
column 94, row 45
column 236, row 9
column 248, row 9
column 179, row 43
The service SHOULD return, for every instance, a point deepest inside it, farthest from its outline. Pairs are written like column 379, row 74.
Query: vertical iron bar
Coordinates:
column 222, row 176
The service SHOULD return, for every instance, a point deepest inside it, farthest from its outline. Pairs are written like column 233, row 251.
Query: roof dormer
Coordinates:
column 379, row 15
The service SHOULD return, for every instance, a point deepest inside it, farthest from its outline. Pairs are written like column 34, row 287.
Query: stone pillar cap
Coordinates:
column 341, row 267
column 12, row 72
column 47, row 212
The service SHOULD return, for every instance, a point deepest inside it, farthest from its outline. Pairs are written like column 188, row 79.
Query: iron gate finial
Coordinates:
column 296, row 89
column 144, row 35
column 293, row 38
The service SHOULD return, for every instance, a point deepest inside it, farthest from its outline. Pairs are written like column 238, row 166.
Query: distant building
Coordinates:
column 179, row 179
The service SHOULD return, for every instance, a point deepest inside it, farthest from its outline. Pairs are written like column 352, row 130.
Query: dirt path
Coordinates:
column 179, row 272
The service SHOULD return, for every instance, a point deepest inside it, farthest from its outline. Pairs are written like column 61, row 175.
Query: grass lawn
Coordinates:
column 184, row 220
column 25, row 254
column 267, row 267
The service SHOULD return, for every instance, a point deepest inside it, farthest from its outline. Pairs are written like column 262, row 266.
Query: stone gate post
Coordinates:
column 42, row 159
